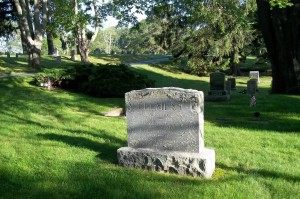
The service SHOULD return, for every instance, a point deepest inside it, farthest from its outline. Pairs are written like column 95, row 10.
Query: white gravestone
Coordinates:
column 254, row 75
column 165, row 128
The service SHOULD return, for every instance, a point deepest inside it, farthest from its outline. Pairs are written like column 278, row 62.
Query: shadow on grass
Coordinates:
column 107, row 151
column 261, row 172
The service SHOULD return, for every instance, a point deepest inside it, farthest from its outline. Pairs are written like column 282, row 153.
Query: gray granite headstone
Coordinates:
column 233, row 83
column 165, row 128
column 56, row 52
column 58, row 59
column 228, row 86
column 165, row 119
column 73, row 55
column 97, row 51
column 252, row 86
column 217, row 81
column 217, row 90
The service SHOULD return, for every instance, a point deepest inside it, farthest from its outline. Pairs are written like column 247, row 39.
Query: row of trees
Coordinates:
column 211, row 33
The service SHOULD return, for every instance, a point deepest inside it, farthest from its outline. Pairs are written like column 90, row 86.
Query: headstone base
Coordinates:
column 193, row 164
column 217, row 96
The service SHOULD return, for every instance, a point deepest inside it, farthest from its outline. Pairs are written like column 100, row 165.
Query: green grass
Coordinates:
column 250, row 64
column 55, row 144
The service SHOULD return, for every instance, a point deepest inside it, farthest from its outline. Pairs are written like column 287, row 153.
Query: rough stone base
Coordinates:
column 194, row 164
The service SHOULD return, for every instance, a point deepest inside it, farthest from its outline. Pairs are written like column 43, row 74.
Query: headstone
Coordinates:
column 8, row 54
column 97, row 51
column 165, row 128
column 233, row 83
column 254, row 75
column 58, row 59
column 17, row 55
column 217, row 81
column 73, row 55
column 252, row 86
column 228, row 86
column 56, row 52
column 217, row 90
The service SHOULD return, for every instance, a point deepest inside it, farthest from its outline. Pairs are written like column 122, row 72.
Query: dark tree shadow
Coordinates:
column 107, row 151
column 261, row 172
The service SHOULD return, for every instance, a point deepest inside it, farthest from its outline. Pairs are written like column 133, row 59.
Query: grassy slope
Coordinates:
column 56, row 145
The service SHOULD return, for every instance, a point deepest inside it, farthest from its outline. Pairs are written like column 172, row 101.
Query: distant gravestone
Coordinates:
column 73, row 55
column 252, row 86
column 97, row 51
column 254, row 75
column 17, row 55
column 228, row 86
column 217, row 90
column 58, row 59
column 8, row 54
column 233, row 83
column 56, row 52
column 165, row 128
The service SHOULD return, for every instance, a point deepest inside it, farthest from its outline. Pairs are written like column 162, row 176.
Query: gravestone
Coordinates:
column 56, row 52
column 233, row 83
column 58, row 59
column 73, row 55
column 17, row 55
column 254, row 75
column 97, row 51
column 252, row 86
column 165, row 130
column 228, row 86
column 217, row 90
column 8, row 54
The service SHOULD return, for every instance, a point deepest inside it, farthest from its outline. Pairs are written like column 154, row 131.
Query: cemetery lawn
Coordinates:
column 56, row 144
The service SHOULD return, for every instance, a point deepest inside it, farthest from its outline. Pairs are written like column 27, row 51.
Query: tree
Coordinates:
column 210, row 33
column 280, row 26
column 32, row 19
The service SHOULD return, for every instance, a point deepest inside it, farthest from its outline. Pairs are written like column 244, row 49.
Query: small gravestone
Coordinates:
column 8, row 54
column 56, row 52
column 233, row 83
column 73, row 55
column 97, row 51
column 58, row 59
column 228, row 86
column 254, row 75
column 252, row 86
column 17, row 55
column 165, row 130
column 217, row 90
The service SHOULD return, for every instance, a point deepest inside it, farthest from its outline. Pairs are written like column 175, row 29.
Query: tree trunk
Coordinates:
column 29, row 16
column 234, row 67
column 50, row 43
column 24, row 44
column 281, row 32
column 34, row 58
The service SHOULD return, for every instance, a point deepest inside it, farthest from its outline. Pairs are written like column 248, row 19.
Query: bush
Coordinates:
column 99, row 80
column 56, row 76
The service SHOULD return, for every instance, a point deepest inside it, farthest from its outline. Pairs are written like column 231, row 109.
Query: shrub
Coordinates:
column 98, row 80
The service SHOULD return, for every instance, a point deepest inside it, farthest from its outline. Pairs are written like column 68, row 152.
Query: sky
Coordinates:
column 111, row 21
